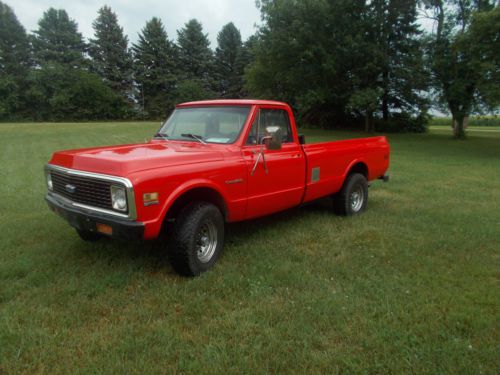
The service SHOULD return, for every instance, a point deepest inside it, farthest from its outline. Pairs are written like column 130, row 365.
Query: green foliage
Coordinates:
column 111, row 59
column 15, row 61
column 462, row 79
column 403, row 123
column 228, row 71
column 191, row 90
column 57, row 40
column 59, row 92
column 156, row 70
column 339, row 60
column 195, row 56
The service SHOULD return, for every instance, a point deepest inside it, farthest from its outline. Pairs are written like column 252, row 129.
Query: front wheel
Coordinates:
column 197, row 238
column 353, row 196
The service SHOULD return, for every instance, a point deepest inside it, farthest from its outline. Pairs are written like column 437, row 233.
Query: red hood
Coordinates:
column 125, row 159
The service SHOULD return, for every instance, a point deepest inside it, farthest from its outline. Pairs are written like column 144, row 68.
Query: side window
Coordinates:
column 270, row 117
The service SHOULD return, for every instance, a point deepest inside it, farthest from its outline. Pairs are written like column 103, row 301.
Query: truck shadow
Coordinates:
column 153, row 255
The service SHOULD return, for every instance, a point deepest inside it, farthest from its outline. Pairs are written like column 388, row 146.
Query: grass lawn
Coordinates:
column 411, row 286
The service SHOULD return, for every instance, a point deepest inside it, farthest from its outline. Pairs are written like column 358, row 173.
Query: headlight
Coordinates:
column 49, row 180
column 118, row 198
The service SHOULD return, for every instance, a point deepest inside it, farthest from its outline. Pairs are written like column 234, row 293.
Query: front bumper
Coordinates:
column 87, row 220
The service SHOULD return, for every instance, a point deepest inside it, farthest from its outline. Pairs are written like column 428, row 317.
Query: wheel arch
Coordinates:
column 200, row 191
column 357, row 166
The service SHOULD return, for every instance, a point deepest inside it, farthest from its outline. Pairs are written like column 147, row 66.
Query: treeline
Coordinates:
column 353, row 63
column 54, row 74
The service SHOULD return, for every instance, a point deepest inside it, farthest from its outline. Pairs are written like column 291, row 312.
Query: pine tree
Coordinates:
column 226, row 56
column 155, row 66
column 14, row 63
column 58, row 41
column 195, row 55
column 111, row 58
column 394, row 31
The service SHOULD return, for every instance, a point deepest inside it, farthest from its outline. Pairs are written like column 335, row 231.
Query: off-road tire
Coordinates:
column 185, row 241
column 354, row 186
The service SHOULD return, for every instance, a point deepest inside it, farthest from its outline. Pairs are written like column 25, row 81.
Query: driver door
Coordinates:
column 282, row 186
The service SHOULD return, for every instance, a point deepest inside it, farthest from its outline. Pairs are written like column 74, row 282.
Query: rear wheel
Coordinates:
column 88, row 235
column 353, row 196
column 197, row 238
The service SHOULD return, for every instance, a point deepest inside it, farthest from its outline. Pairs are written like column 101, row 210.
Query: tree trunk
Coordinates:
column 385, row 97
column 458, row 130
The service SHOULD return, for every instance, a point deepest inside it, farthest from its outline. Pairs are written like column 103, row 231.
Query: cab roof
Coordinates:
column 234, row 102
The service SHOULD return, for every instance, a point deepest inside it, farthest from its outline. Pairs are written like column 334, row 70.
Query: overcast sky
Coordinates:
column 133, row 14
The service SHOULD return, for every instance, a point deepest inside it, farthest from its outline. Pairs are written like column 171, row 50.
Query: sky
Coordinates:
column 133, row 14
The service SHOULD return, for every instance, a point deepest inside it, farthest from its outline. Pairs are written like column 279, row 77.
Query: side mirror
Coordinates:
column 273, row 138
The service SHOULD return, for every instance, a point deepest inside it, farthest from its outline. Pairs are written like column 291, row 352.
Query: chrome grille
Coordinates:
column 87, row 191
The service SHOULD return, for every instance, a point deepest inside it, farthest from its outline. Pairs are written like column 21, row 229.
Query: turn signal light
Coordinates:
column 104, row 229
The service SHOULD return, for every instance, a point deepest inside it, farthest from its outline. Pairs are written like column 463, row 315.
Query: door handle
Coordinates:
column 296, row 156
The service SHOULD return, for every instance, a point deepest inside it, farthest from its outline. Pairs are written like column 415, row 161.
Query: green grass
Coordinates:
column 411, row 286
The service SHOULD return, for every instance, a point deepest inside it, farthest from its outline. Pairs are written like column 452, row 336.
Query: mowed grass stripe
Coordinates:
column 410, row 286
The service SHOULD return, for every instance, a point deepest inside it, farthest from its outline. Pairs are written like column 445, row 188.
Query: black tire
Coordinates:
column 88, row 236
column 192, row 249
column 353, row 197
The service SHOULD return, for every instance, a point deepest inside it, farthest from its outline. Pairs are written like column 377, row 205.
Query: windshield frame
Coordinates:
column 186, row 139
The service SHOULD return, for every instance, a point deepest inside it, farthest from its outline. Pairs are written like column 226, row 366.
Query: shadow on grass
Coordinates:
column 153, row 255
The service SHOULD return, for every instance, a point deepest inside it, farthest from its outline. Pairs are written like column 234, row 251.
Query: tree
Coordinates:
column 244, row 59
column 195, row 55
column 395, row 34
column 57, row 40
column 15, row 62
column 156, row 71
column 458, row 73
column 308, row 54
column 111, row 59
column 58, row 92
column 228, row 72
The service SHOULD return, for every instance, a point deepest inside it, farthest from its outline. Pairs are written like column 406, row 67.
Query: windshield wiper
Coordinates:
column 194, row 136
column 162, row 136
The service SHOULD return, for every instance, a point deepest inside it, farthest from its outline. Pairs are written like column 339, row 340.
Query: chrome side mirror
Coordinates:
column 273, row 138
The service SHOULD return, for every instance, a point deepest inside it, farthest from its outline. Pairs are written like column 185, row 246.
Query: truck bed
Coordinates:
column 328, row 163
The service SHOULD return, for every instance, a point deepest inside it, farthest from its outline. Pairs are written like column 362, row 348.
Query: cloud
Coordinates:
column 133, row 14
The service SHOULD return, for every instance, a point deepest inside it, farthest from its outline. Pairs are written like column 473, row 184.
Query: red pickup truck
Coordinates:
column 212, row 162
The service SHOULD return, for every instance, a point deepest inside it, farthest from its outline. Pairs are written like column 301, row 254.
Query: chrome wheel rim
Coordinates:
column 206, row 241
column 357, row 198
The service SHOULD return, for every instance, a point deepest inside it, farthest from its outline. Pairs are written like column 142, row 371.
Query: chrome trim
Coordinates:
column 132, row 212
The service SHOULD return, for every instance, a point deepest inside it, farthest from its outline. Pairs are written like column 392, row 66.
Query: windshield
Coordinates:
column 205, row 124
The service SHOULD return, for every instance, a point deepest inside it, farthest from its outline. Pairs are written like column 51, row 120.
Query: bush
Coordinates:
column 403, row 123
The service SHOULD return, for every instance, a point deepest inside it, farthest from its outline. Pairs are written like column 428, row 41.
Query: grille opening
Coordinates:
column 89, row 191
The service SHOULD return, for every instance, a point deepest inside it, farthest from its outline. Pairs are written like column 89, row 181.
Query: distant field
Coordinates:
column 410, row 287
column 474, row 121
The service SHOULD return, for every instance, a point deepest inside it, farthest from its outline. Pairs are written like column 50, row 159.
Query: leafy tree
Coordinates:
column 156, row 71
column 308, row 54
column 59, row 92
column 111, row 59
column 228, row 72
column 459, row 75
column 191, row 90
column 14, row 63
column 57, row 40
column 195, row 56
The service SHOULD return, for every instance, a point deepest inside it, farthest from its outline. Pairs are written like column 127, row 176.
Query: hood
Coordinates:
column 126, row 159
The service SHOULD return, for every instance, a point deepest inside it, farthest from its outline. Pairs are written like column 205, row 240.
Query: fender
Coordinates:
column 352, row 164
column 189, row 185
